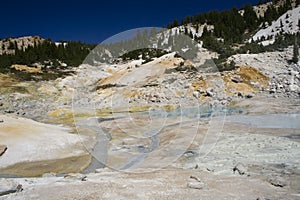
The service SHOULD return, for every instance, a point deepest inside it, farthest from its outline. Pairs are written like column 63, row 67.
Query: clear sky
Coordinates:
column 93, row 21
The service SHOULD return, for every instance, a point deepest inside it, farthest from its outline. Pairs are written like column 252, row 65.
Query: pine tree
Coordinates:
column 250, row 17
column 11, row 45
column 186, row 30
column 175, row 23
column 191, row 35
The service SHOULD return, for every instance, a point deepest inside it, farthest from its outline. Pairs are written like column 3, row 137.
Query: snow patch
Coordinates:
column 287, row 23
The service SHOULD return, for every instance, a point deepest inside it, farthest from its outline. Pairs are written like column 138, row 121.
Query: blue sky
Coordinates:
column 94, row 21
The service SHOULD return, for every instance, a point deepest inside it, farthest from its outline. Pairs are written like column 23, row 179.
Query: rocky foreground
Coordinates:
column 248, row 161
column 162, row 184
column 164, row 129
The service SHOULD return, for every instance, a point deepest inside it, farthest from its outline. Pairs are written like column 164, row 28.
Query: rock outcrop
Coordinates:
column 8, row 186
column 21, row 42
column 3, row 149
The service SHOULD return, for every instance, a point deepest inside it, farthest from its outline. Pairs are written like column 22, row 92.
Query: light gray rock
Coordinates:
column 189, row 154
column 272, row 91
column 210, row 92
column 75, row 177
column 3, row 149
column 249, row 96
column 255, row 84
column 279, row 86
column 195, row 183
column 101, row 170
column 196, row 94
column 200, row 90
column 237, row 79
column 240, row 95
column 240, row 168
column 8, row 186
column 277, row 181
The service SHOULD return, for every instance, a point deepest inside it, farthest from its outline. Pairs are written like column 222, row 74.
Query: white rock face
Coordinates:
column 8, row 186
column 287, row 23
column 25, row 138
column 22, row 43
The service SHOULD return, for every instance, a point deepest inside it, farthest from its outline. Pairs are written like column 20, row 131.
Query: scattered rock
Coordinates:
column 189, row 154
column 196, row 94
column 279, row 86
column 3, row 149
column 195, row 183
column 240, row 168
column 195, row 178
column 73, row 177
column 272, row 91
column 8, row 186
column 255, row 84
column 237, row 79
column 210, row 170
column 277, row 181
column 153, row 99
column 20, row 113
column 9, row 111
column 240, row 95
column 249, row 96
column 200, row 90
column 210, row 92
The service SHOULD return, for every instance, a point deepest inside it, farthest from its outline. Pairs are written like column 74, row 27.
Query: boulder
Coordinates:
column 237, row 79
column 240, row 168
column 196, row 94
column 189, row 154
column 240, row 95
column 195, row 183
column 8, row 186
column 210, row 92
column 277, row 181
column 255, row 84
column 249, row 96
column 272, row 91
column 3, row 149
column 75, row 177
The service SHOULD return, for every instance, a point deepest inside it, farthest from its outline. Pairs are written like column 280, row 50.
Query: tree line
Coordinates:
column 232, row 26
column 71, row 53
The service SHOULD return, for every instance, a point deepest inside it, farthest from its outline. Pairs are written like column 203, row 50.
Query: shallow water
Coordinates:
column 291, row 121
column 189, row 114
column 281, row 121
column 233, row 115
